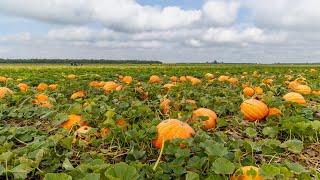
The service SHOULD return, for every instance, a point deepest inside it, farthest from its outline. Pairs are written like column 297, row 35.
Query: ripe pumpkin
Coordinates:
column 267, row 81
column 3, row 79
column 254, row 110
column 79, row 94
column 71, row 121
column 172, row 129
column 313, row 71
column 83, row 130
column 274, row 112
column 42, row 87
column 165, row 106
column 4, row 91
column 173, row 78
column 104, row 132
column 23, row 87
column 71, row 76
column 244, row 174
column 302, row 89
column 110, row 86
column 209, row 76
column 293, row 84
column 121, row 122
column 127, row 79
column 316, row 92
column 258, row 90
column 183, row 78
column 194, row 81
column 223, row 78
column 204, row 112
column 154, row 79
column 294, row 97
column 248, row 91
column 94, row 84
column 233, row 81
column 53, row 87
column 168, row 86
column 42, row 98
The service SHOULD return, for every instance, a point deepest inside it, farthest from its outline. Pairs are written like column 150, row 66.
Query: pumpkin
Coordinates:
column 267, row 81
column 233, row 81
column 46, row 105
column 294, row 97
column 79, row 94
column 71, row 76
column 313, row 71
column 4, row 91
column 173, row 78
column 127, row 79
column 223, row 78
column 316, row 92
column 165, row 106
column 83, row 130
column 254, row 110
column 172, row 129
column 194, row 81
column 209, row 76
column 168, row 86
column 274, row 112
column 244, row 173
column 94, row 84
column 3, row 79
column 42, row 87
column 110, row 86
column 42, row 98
column 248, row 91
column 71, row 121
column 121, row 122
column 183, row 79
column 302, row 89
column 53, row 87
column 244, row 85
column 104, row 132
column 258, row 90
column 204, row 112
column 154, row 79
column 293, row 84
column 23, row 87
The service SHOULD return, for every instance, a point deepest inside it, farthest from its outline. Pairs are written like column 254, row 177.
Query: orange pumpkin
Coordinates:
column 204, row 112
column 294, row 97
column 194, row 81
column 248, row 91
column 165, row 106
column 223, row 78
column 83, row 130
column 316, row 92
column 127, row 79
column 104, row 132
column 4, row 91
column 3, row 79
column 302, row 89
column 274, row 112
column 293, row 84
column 183, row 79
column 110, row 86
column 71, row 121
column 268, row 81
column 168, row 86
column 154, row 79
column 42, row 98
column 71, row 76
column 42, row 87
column 53, row 87
column 209, row 76
column 258, row 90
column 173, row 78
column 23, row 87
column 121, row 122
column 94, row 84
column 244, row 174
column 233, row 81
column 172, row 129
column 46, row 104
column 79, row 94
column 254, row 110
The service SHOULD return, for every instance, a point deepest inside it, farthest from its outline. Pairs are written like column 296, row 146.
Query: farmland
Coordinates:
column 102, row 122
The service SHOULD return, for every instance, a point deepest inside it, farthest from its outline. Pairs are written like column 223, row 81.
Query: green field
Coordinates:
column 118, row 123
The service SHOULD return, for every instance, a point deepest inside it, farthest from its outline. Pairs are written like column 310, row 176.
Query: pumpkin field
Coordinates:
column 127, row 122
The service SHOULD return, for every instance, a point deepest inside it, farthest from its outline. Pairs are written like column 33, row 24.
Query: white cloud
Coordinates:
column 294, row 14
column 220, row 12
column 20, row 37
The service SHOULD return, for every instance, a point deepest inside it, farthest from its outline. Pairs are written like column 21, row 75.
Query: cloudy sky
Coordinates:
column 263, row 31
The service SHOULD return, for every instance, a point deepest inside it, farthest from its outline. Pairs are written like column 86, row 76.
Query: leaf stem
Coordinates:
column 159, row 157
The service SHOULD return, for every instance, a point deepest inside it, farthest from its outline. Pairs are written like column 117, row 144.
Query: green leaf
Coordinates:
column 91, row 176
column 6, row 156
column 67, row 165
column 21, row 171
column 196, row 162
column 295, row 167
column 222, row 166
column 270, row 131
column 60, row 118
column 57, row 176
column 192, row 176
column 251, row 132
column 269, row 171
column 214, row 149
column 294, row 145
column 2, row 170
column 122, row 171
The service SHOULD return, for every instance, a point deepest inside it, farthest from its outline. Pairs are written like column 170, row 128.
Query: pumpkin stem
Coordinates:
column 159, row 157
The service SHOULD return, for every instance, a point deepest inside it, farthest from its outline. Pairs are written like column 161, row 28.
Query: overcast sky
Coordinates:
column 263, row 31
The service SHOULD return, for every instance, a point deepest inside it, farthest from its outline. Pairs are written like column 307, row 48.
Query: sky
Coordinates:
column 255, row 31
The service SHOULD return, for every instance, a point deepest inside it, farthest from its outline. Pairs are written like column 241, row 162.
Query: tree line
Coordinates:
column 76, row 61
